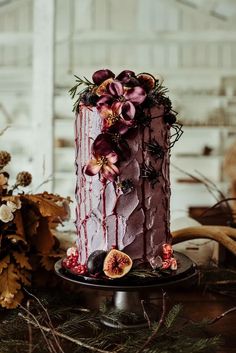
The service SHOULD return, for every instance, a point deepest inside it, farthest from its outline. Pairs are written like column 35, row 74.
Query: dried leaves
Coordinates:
column 9, row 286
column 27, row 243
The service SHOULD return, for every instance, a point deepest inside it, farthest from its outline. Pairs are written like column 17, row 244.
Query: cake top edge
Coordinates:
column 125, row 104
column 127, row 87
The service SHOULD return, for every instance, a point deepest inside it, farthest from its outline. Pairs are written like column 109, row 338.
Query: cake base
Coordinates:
column 132, row 297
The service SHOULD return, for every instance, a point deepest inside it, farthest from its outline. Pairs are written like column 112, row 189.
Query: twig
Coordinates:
column 155, row 332
column 226, row 200
column 232, row 281
column 61, row 335
column 49, row 319
column 35, row 322
column 3, row 130
column 29, row 330
column 9, row 118
column 145, row 314
column 48, row 180
column 217, row 318
column 208, row 187
column 221, row 194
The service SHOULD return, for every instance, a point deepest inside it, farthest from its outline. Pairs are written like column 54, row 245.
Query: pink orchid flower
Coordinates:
column 103, row 161
column 113, row 119
column 128, row 97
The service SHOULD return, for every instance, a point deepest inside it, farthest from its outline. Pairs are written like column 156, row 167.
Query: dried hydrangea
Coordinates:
column 5, row 158
column 23, row 179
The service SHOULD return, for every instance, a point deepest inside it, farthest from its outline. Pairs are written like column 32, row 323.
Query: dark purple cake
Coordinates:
column 123, row 141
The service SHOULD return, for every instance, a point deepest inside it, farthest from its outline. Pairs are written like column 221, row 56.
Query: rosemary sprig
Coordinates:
column 159, row 89
column 143, row 273
column 74, row 90
column 79, row 82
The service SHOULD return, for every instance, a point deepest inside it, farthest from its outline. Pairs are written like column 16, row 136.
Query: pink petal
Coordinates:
column 105, row 111
column 92, row 168
column 125, row 76
column 115, row 88
column 109, row 173
column 106, row 125
column 112, row 157
column 116, row 107
column 128, row 110
column 122, row 128
column 102, row 145
column 135, row 95
column 113, row 168
column 105, row 99
column 102, row 75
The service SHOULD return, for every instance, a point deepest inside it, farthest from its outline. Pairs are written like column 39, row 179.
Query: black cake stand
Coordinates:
column 129, row 293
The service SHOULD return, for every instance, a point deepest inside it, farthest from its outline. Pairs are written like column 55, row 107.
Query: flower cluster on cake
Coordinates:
column 123, row 139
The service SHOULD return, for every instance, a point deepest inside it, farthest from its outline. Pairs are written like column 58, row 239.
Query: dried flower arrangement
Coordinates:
column 27, row 243
column 123, row 103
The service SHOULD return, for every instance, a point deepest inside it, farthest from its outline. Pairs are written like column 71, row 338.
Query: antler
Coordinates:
column 223, row 235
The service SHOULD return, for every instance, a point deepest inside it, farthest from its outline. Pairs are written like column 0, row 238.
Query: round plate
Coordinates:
column 186, row 271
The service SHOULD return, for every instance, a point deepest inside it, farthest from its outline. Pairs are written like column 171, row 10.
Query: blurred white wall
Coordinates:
column 191, row 43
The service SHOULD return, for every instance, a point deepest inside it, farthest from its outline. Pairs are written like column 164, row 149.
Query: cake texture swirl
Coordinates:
column 124, row 130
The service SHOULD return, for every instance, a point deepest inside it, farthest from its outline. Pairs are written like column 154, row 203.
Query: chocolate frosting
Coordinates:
column 137, row 222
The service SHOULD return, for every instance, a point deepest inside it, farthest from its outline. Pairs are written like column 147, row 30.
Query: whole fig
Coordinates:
column 117, row 264
column 95, row 262
column 147, row 81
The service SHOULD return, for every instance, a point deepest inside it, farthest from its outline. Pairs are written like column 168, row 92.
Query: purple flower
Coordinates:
column 129, row 98
column 103, row 160
column 102, row 75
column 112, row 118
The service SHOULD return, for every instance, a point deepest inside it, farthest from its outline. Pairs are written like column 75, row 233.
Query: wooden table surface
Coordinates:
column 198, row 305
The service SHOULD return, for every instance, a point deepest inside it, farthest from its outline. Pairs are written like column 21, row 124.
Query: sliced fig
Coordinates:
column 102, row 88
column 147, row 81
column 117, row 264
column 95, row 262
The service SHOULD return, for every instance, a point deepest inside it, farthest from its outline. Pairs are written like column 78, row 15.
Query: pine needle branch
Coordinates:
column 48, row 317
column 63, row 336
column 155, row 332
column 172, row 315
column 36, row 323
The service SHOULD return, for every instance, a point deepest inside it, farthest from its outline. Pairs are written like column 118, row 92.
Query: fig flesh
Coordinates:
column 102, row 88
column 117, row 264
column 95, row 262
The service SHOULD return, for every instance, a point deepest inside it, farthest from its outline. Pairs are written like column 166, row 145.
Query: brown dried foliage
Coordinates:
column 27, row 244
